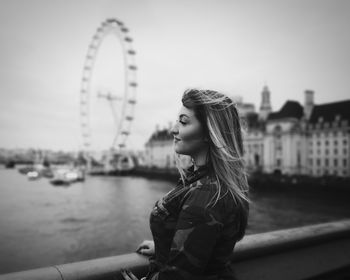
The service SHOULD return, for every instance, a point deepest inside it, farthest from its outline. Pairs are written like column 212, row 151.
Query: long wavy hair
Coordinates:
column 219, row 118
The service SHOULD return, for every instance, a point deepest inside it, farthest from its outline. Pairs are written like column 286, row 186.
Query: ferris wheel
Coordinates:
column 127, row 101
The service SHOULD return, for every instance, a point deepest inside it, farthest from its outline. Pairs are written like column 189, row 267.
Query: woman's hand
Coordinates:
column 146, row 248
column 128, row 275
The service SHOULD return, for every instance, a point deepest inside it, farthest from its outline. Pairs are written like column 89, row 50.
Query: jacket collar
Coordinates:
column 194, row 175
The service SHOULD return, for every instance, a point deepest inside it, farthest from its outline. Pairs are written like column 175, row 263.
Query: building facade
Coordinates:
column 159, row 151
column 313, row 139
column 305, row 140
column 329, row 140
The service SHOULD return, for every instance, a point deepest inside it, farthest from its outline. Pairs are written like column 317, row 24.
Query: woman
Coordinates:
column 196, row 225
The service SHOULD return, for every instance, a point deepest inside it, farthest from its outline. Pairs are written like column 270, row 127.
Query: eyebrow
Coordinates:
column 183, row 115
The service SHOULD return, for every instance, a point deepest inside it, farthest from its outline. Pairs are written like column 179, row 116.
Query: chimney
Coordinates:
column 309, row 103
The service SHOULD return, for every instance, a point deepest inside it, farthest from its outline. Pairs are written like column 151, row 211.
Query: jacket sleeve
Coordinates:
column 197, row 230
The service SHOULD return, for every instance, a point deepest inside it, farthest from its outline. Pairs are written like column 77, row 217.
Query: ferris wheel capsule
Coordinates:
column 128, row 99
column 132, row 67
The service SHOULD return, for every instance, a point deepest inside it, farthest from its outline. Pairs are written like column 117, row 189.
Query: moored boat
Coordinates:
column 33, row 175
column 66, row 176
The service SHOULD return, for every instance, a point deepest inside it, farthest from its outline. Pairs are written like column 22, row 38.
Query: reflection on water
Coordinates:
column 44, row 225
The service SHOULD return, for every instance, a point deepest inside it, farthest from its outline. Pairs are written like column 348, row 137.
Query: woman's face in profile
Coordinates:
column 188, row 133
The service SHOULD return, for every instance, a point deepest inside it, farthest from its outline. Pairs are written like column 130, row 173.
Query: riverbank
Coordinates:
column 170, row 174
column 257, row 181
column 260, row 181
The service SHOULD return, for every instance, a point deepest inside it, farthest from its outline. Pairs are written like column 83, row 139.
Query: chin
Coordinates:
column 178, row 149
column 185, row 148
column 182, row 152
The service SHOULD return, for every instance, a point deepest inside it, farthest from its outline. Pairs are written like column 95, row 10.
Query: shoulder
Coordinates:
column 203, row 194
column 200, row 193
column 205, row 190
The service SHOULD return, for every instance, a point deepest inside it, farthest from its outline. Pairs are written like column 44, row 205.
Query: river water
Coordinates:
column 42, row 225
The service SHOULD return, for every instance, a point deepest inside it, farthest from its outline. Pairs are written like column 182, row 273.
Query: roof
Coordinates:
column 290, row 109
column 161, row 135
column 329, row 111
column 253, row 122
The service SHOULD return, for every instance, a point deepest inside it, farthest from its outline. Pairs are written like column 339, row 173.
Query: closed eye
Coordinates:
column 183, row 120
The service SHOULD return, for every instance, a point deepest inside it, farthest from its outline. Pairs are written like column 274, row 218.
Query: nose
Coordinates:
column 175, row 129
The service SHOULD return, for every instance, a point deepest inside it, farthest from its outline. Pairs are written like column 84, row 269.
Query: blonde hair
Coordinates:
column 221, row 123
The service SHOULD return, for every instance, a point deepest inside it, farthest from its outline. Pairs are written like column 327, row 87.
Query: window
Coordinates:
column 326, row 151
column 318, row 162
column 326, row 142
column 335, row 151
column 345, row 162
column 326, row 162
column 278, row 130
column 345, row 142
column 310, row 161
column 279, row 146
column 318, row 143
column 335, row 142
column 335, row 162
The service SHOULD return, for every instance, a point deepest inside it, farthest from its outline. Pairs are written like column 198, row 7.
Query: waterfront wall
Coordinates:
column 312, row 252
column 259, row 180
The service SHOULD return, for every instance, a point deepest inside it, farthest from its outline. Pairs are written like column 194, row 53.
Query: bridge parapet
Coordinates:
column 308, row 252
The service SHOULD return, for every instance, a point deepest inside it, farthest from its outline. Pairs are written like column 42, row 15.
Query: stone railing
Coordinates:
column 308, row 252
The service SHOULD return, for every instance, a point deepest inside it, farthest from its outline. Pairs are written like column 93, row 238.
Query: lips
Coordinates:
column 176, row 139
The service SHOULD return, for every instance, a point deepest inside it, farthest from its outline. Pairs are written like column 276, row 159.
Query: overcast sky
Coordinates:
column 232, row 46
